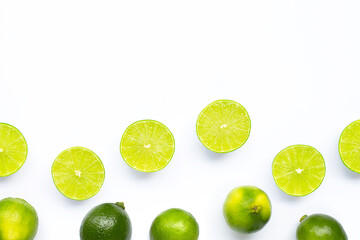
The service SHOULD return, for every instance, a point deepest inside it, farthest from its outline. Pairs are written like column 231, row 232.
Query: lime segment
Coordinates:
column 298, row 170
column 13, row 149
column 223, row 126
column 78, row 173
column 147, row 146
column 349, row 146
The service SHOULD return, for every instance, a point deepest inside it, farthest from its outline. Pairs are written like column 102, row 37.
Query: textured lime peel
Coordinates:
column 223, row 126
column 298, row 170
column 78, row 173
column 147, row 146
column 349, row 146
column 13, row 149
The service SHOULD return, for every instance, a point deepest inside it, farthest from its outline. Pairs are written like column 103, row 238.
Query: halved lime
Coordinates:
column 78, row 173
column 349, row 146
column 13, row 149
column 223, row 126
column 147, row 146
column 298, row 170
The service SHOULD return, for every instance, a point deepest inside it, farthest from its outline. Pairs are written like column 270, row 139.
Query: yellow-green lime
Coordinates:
column 13, row 149
column 298, row 170
column 147, row 146
column 18, row 220
column 247, row 209
column 174, row 224
column 223, row 126
column 349, row 146
column 78, row 173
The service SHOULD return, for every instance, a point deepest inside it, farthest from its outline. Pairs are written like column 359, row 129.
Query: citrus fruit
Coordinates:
column 107, row 221
column 349, row 146
column 247, row 209
column 78, row 173
column 18, row 220
column 174, row 224
column 320, row 227
column 147, row 146
column 13, row 149
column 223, row 126
column 298, row 170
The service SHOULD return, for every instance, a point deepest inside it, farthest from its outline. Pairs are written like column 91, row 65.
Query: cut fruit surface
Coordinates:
column 349, row 146
column 13, row 149
column 223, row 126
column 78, row 173
column 147, row 146
column 298, row 170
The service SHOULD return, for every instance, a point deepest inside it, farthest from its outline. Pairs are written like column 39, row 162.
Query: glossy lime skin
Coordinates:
column 247, row 209
column 107, row 221
column 174, row 224
column 320, row 227
column 18, row 220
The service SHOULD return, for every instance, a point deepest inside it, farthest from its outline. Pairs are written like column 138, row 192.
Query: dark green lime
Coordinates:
column 320, row 227
column 108, row 221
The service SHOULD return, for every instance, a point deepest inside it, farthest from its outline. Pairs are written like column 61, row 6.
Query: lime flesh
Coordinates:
column 78, row 173
column 18, row 220
column 147, row 146
column 298, row 170
column 174, row 224
column 349, row 146
column 247, row 209
column 223, row 126
column 13, row 149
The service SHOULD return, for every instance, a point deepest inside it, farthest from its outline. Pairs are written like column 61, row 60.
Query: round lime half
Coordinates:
column 78, row 173
column 349, row 146
column 298, row 170
column 223, row 126
column 147, row 146
column 13, row 149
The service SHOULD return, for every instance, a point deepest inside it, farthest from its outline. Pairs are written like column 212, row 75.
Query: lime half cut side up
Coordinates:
column 78, row 173
column 13, row 149
column 223, row 126
column 349, row 146
column 147, row 146
column 298, row 170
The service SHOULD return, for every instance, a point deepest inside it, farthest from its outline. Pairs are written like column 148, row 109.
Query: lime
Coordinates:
column 298, row 170
column 349, row 146
column 320, row 227
column 18, row 220
column 78, row 173
column 147, row 146
column 13, row 149
column 174, row 224
column 223, row 126
column 247, row 209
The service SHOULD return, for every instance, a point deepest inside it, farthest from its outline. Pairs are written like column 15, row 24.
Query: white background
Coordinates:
column 78, row 72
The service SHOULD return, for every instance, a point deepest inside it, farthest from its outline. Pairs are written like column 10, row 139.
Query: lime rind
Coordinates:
column 246, row 128
column 131, row 159
column 100, row 177
column 314, row 174
column 24, row 152
column 350, row 138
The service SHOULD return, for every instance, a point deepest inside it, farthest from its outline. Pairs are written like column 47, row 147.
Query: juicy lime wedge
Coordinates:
column 349, row 146
column 298, row 170
column 13, row 149
column 223, row 126
column 78, row 173
column 147, row 146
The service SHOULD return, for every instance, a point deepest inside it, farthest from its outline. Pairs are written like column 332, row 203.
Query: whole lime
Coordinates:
column 174, row 224
column 320, row 227
column 247, row 209
column 18, row 220
column 107, row 221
